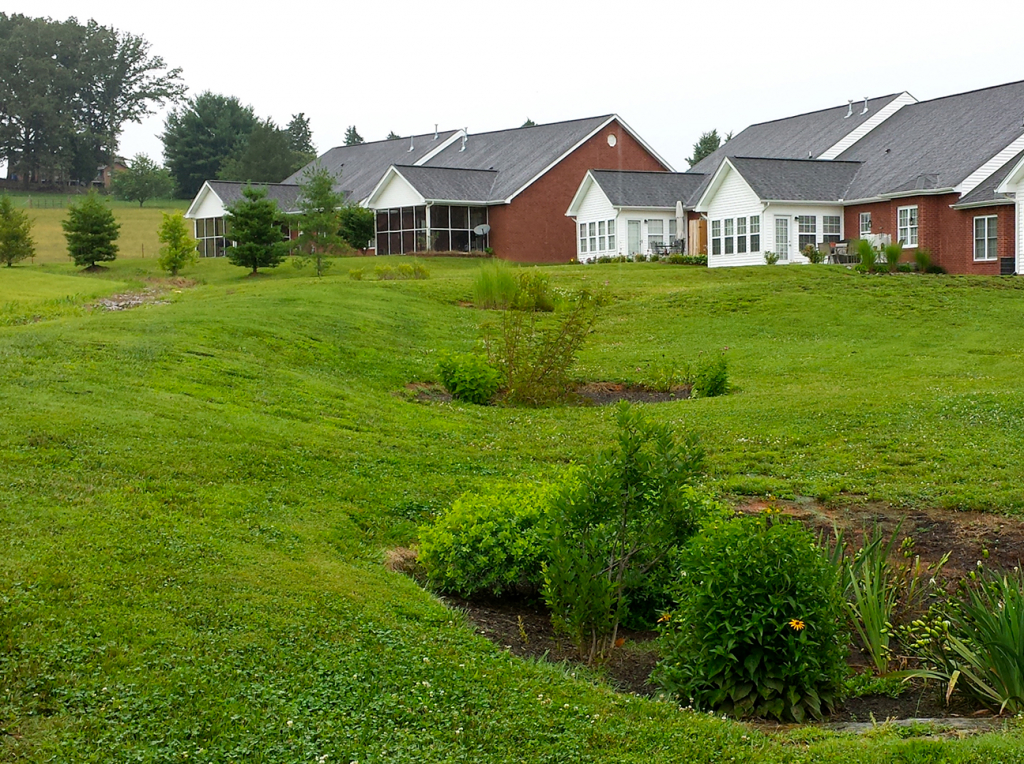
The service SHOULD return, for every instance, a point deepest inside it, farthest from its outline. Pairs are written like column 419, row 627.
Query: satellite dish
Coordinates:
column 482, row 230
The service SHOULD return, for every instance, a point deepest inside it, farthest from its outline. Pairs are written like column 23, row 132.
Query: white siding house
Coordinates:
column 1014, row 184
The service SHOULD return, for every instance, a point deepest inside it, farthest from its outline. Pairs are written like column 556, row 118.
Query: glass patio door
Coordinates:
column 634, row 237
column 782, row 237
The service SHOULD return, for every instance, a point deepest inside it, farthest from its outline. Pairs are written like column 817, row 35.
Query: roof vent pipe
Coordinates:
column 865, row 105
column 435, row 131
column 411, row 146
column 465, row 133
column 849, row 109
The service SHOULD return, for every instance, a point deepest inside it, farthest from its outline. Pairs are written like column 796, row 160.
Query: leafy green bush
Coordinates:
column 758, row 629
column 771, row 258
column 923, row 258
column 813, row 254
column 630, row 508
column 710, row 377
column 468, row 377
column 535, row 354
column 679, row 259
column 385, row 273
column 356, row 274
column 490, row 542
column 533, row 291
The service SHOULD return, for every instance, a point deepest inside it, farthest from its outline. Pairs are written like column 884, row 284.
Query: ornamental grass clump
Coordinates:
column 759, row 628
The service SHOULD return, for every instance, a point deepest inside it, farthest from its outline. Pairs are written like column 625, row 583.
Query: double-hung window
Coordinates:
column 831, row 229
column 611, row 235
column 592, row 229
column 906, row 228
column 807, row 230
column 716, row 237
column 865, row 224
column 655, row 234
column 583, row 238
column 755, row 233
column 985, row 237
column 602, row 240
column 741, row 235
column 729, row 234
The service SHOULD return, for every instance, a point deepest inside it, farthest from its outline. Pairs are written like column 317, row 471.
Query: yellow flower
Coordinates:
column 665, row 618
column 796, row 624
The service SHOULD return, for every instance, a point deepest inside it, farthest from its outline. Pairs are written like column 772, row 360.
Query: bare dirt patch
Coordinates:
column 604, row 393
column 154, row 294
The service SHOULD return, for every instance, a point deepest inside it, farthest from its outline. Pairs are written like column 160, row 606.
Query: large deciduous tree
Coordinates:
column 143, row 179
column 202, row 135
column 320, row 219
column 15, row 233
column 68, row 89
column 256, row 230
column 90, row 230
column 356, row 225
column 265, row 157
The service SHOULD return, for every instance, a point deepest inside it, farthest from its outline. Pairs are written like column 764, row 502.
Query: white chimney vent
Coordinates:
column 435, row 131
column 411, row 147
column 865, row 105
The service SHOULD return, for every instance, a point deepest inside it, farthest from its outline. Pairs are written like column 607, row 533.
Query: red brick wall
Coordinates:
column 947, row 233
column 534, row 227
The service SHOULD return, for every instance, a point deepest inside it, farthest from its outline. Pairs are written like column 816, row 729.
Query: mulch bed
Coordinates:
column 523, row 627
column 587, row 394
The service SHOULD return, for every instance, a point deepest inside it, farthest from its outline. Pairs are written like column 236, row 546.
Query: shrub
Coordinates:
column 867, row 253
column 617, row 525
column 893, row 253
column 758, row 629
column 771, row 258
column 468, row 377
column 533, row 291
column 356, row 274
column 655, row 257
column 490, row 542
column 385, row 273
column 905, row 268
column 923, row 258
column 420, row 271
column 179, row 249
column 494, row 286
column 679, row 259
column 813, row 254
column 710, row 377
column 535, row 356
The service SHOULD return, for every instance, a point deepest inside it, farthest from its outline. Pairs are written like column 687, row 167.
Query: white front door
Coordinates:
column 634, row 237
column 782, row 223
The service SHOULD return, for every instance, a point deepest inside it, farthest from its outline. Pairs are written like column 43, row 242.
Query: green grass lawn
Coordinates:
column 196, row 497
column 139, row 226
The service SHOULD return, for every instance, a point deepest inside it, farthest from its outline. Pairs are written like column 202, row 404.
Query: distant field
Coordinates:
column 196, row 497
column 138, row 226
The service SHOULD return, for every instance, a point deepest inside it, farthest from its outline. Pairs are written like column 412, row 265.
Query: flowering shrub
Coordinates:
column 759, row 629
column 490, row 542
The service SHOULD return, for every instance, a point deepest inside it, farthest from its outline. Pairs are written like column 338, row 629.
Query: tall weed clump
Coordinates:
column 617, row 526
column 759, row 628
column 494, row 286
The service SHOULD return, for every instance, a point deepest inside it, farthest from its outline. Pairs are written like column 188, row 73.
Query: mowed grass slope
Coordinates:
column 196, row 497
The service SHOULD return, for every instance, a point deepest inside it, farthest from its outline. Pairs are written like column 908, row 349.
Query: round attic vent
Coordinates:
column 612, row 140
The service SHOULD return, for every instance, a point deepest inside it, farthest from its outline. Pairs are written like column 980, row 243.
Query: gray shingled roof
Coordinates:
column 796, row 180
column 230, row 191
column 986, row 190
column 647, row 189
column 936, row 144
column 794, row 137
column 450, row 184
column 518, row 155
column 362, row 166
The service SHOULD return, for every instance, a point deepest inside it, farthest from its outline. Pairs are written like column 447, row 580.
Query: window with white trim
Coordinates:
column 741, row 235
column 807, row 230
column 592, row 230
column 583, row 238
column 716, row 237
column 210, row 236
column 865, row 224
column 655, row 234
column 985, row 237
column 831, row 229
column 602, row 241
column 729, row 233
column 906, row 227
column 755, row 233
column 611, row 235
column 672, row 231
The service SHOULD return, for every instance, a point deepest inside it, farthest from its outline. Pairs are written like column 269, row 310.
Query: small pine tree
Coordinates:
column 15, row 233
column 320, row 222
column 393, row 136
column 90, row 230
column 352, row 136
column 179, row 250
column 529, row 123
column 256, row 228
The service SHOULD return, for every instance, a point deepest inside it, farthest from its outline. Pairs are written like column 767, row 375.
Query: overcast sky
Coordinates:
column 671, row 69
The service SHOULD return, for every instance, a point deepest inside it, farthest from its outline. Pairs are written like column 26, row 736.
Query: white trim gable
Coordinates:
column 903, row 99
column 414, row 198
column 716, row 182
column 1014, row 182
column 979, row 176
column 586, row 184
column 591, row 134
column 200, row 200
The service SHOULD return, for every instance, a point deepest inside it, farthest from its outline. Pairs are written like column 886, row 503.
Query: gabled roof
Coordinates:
column 986, row 192
column 448, row 184
column 230, row 191
column 800, row 137
column 362, row 165
column 796, row 180
column 646, row 189
column 522, row 155
column 935, row 145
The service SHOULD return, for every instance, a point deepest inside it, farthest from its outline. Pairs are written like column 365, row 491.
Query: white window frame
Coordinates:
column 908, row 233
column 602, row 241
column 865, row 217
column 990, row 238
column 611, row 235
column 755, row 230
column 741, row 236
column 583, row 238
column 716, row 237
